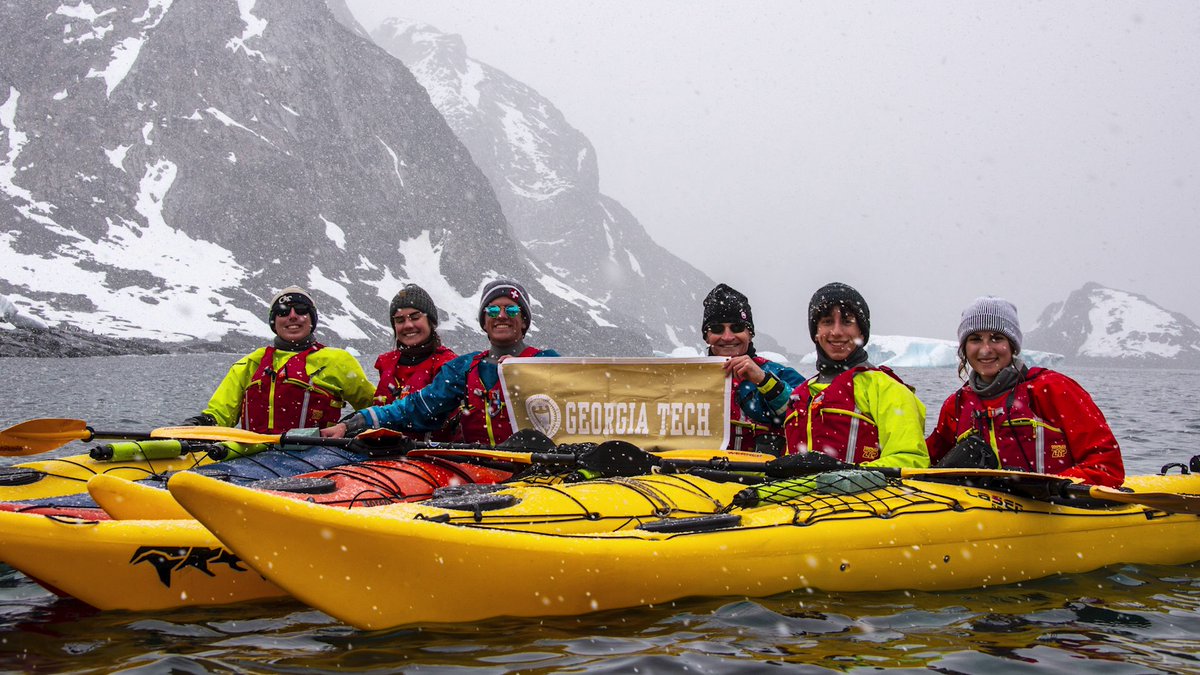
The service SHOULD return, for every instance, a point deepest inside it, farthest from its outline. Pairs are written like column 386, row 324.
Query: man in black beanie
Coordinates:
column 295, row 382
column 469, row 383
column 759, row 386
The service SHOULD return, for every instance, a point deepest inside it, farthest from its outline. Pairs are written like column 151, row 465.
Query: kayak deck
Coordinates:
column 572, row 549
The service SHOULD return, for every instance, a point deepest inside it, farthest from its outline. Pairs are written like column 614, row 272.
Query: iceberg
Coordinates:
column 901, row 351
column 10, row 313
column 895, row 351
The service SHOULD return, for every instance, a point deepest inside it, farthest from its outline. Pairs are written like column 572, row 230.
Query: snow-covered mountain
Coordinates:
column 545, row 174
column 1105, row 325
column 169, row 165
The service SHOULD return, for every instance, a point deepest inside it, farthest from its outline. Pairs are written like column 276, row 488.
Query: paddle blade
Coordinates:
column 1163, row 501
column 528, row 440
column 617, row 458
column 41, row 435
column 213, row 434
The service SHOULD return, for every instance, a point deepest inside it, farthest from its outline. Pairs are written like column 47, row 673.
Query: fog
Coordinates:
column 926, row 153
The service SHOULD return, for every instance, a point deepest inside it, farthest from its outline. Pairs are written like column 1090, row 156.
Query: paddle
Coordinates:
column 1034, row 485
column 610, row 458
column 377, row 442
column 537, row 447
column 46, row 434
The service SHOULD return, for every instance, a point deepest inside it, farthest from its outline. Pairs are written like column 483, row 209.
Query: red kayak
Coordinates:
column 361, row 484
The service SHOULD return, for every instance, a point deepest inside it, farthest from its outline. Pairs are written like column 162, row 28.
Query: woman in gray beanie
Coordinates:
column 1034, row 419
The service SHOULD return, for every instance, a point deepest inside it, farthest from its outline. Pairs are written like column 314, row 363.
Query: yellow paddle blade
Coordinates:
column 1163, row 501
column 214, row 434
column 41, row 435
column 502, row 455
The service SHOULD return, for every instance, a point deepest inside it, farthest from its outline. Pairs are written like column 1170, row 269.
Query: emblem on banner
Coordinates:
column 544, row 414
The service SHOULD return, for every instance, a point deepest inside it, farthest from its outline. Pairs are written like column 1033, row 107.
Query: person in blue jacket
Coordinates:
column 760, row 386
column 470, row 383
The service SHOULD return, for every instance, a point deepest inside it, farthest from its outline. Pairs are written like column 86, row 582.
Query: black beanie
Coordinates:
column 413, row 296
column 287, row 296
column 509, row 289
column 843, row 296
column 725, row 305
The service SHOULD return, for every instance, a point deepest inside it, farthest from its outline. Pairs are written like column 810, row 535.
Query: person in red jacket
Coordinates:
column 1034, row 419
column 419, row 354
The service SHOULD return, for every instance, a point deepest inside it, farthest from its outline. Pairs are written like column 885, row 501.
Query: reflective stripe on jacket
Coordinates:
column 867, row 415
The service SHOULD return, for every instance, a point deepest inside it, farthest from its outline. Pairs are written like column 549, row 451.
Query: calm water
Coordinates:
column 1131, row 619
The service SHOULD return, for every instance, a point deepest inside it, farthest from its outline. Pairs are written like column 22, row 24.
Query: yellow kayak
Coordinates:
column 69, row 475
column 607, row 544
column 125, row 565
column 141, row 563
column 129, row 500
column 144, row 565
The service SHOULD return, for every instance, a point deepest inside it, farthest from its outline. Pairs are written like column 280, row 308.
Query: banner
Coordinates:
column 656, row 404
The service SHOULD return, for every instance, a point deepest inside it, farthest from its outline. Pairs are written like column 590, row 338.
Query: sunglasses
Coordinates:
column 282, row 308
column 512, row 311
column 719, row 328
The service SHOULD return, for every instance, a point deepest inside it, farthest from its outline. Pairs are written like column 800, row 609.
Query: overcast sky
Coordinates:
column 926, row 153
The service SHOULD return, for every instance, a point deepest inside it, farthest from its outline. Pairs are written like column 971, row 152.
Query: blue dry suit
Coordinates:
column 428, row 408
column 757, row 405
column 753, row 415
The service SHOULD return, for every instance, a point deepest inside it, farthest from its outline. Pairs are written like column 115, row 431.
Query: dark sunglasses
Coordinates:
column 512, row 311
column 719, row 328
column 282, row 308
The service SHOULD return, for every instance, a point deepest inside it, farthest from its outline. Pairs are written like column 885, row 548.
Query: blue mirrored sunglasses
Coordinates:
column 512, row 311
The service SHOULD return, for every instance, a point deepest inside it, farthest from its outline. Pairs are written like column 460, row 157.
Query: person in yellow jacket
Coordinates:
column 296, row 382
column 851, row 412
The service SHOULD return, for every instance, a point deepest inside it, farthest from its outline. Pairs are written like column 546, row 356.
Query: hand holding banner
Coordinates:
column 654, row 403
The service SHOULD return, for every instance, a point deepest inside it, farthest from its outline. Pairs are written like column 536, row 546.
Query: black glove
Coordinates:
column 803, row 464
column 201, row 420
column 355, row 424
column 971, row 452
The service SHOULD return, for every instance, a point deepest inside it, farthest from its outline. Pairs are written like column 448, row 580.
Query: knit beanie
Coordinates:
column 413, row 296
column 725, row 305
column 288, row 296
column 841, row 295
column 509, row 289
column 992, row 314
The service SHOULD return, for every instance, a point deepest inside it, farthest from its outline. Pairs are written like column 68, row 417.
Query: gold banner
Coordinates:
column 656, row 404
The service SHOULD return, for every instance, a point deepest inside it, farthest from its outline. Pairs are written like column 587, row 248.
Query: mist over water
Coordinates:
column 1127, row 619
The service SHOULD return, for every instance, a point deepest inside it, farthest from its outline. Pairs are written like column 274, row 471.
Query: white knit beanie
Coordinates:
column 992, row 314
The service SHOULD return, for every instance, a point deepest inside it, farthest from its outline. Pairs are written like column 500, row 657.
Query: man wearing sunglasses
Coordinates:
column 295, row 382
column 470, row 384
column 760, row 387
